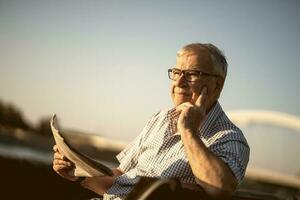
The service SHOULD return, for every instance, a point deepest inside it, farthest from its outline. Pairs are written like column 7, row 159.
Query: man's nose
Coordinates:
column 181, row 81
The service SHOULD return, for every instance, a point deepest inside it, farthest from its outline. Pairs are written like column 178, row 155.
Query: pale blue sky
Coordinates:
column 102, row 65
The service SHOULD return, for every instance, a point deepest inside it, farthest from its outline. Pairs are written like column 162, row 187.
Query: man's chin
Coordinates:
column 177, row 102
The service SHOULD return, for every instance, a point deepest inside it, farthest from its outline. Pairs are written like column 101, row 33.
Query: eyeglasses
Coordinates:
column 189, row 75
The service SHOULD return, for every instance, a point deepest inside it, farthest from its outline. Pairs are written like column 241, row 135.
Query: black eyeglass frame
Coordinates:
column 201, row 73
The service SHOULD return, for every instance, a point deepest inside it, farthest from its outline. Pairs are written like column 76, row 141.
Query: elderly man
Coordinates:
column 194, row 142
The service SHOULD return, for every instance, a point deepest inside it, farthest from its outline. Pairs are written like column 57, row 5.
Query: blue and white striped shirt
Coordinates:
column 159, row 152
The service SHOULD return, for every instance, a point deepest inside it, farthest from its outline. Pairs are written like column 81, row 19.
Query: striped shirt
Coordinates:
column 159, row 152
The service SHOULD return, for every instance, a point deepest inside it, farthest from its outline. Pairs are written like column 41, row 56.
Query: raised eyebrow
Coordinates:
column 176, row 69
column 195, row 68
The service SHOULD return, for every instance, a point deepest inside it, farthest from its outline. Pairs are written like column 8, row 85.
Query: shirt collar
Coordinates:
column 172, row 114
column 211, row 117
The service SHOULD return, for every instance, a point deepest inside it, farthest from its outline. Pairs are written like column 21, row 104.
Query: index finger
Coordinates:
column 55, row 148
column 200, row 102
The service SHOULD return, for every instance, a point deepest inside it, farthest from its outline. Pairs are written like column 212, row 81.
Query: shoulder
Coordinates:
column 155, row 120
column 161, row 115
column 156, row 116
column 224, row 130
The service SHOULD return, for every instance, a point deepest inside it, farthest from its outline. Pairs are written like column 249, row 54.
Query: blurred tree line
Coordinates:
column 11, row 116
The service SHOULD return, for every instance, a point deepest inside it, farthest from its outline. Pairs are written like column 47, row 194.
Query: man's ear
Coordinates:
column 219, row 85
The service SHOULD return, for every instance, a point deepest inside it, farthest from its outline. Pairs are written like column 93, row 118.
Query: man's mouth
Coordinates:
column 182, row 92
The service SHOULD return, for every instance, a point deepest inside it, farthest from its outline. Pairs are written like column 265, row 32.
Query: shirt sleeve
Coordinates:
column 128, row 158
column 233, row 149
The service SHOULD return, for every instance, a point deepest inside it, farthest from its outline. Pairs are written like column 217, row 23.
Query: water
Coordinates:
column 34, row 155
column 26, row 153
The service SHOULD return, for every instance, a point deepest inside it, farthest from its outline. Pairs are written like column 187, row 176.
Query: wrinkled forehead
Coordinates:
column 197, row 57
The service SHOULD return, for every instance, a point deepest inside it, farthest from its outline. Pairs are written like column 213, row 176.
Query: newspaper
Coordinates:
column 84, row 165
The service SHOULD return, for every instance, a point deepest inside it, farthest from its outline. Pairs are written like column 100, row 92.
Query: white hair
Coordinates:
column 217, row 56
